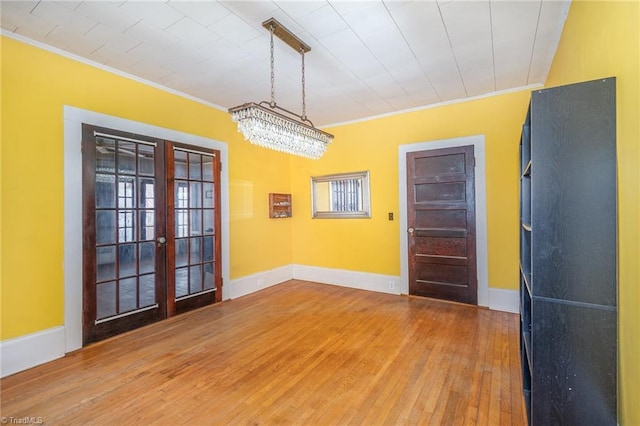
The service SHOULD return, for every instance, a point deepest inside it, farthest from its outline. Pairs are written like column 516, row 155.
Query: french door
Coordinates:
column 151, row 230
column 193, row 206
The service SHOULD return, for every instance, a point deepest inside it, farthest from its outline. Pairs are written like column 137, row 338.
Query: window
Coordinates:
column 343, row 195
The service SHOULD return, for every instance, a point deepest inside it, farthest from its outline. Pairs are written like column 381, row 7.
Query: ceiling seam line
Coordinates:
column 89, row 30
column 381, row 64
column 34, row 7
column 371, row 88
column 533, row 46
column 466, row 93
column 95, row 50
column 493, row 47
column 367, row 47
column 49, row 33
column 413, row 53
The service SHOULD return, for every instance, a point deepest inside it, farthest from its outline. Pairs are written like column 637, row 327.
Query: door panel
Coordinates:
column 442, row 246
column 123, row 266
column 426, row 166
column 434, row 192
column 437, row 218
column 441, row 220
column 195, row 270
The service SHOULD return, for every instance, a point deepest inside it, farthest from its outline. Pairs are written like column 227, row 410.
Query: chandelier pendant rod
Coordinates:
column 273, row 90
column 304, row 103
column 294, row 42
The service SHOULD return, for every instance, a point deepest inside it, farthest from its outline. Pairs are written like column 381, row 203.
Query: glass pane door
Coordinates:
column 124, row 254
column 194, row 275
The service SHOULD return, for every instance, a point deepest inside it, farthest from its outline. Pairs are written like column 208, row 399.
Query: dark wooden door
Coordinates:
column 123, row 232
column 152, row 230
column 441, row 224
column 194, row 227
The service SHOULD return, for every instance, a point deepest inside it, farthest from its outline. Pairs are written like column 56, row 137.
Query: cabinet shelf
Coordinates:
column 527, row 403
column 279, row 206
column 526, row 340
column 526, row 277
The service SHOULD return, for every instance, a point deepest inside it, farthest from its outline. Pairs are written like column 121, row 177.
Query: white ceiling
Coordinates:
column 367, row 57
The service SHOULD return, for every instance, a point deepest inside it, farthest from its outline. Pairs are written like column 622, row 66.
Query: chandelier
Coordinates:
column 268, row 125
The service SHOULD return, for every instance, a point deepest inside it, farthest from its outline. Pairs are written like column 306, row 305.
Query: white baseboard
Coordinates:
column 33, row 349
column 360, row 280
column 499, row 299
column 504, row 300
column 255, row 282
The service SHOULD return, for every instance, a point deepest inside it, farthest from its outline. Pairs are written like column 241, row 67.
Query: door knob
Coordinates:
column 410, row 231
column 161, row 240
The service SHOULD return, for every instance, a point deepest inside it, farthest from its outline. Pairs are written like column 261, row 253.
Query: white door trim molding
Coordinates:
column 481, row 208
column 73, row 119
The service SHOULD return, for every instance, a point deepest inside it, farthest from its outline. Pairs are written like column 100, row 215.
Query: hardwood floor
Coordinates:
column 295, row 353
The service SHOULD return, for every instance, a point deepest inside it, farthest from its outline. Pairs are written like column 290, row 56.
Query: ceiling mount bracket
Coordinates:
column 285, row 35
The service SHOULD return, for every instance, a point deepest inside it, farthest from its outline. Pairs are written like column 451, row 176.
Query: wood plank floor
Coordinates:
column 295, row 353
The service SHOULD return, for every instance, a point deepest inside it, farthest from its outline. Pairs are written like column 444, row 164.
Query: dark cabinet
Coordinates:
column 568, row 255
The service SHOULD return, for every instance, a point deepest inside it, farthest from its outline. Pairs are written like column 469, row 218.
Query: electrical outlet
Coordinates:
column 260, row 283
column 392, row 285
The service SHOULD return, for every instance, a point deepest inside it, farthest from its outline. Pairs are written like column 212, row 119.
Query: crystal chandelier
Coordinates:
column 281, row 130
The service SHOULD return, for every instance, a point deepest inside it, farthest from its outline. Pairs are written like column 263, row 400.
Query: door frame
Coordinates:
column 72, row 262
column 482, row 270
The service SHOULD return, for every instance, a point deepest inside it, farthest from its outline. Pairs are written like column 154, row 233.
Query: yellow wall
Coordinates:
column 35, row 86
column 602, row 39
column 373, row 245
